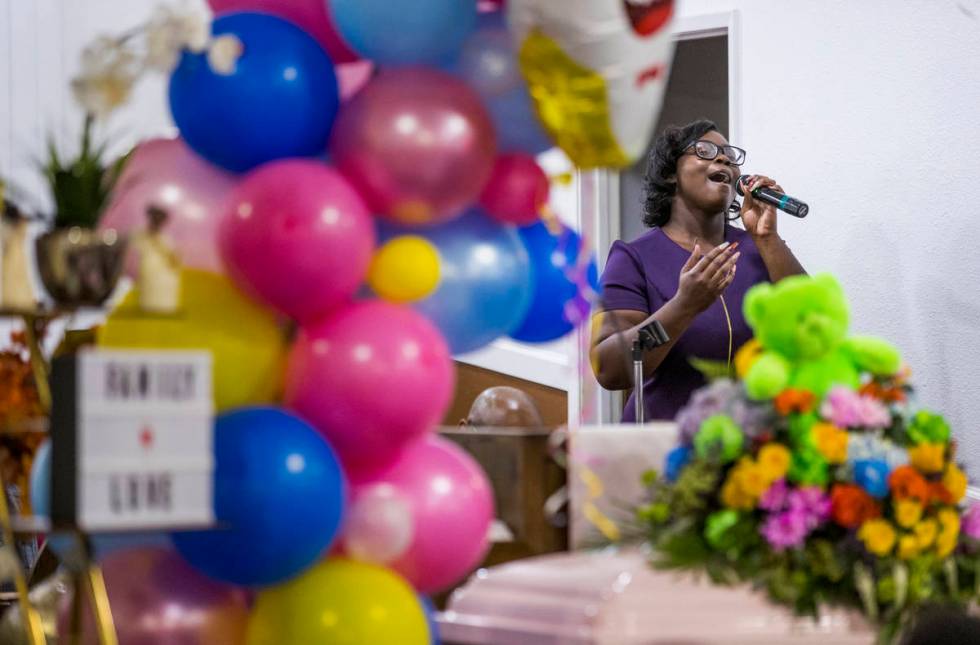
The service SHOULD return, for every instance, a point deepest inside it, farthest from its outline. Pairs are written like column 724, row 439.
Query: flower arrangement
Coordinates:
column 848, row 496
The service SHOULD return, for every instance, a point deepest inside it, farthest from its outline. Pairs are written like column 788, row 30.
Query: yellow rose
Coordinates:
column 746, row 356
column 949, row 532
column 928, row 457
column 750, row 478
column 908, row 547
column 733, row 497
column 831, row 442
column 955, row 482
column 878, row 536
column 925, row 533
column 907, row 512
column 774, row 460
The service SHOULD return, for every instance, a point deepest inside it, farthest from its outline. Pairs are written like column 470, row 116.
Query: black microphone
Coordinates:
column 785, row 203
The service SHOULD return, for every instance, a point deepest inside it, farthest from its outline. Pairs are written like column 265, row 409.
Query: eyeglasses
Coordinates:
column 709, row 150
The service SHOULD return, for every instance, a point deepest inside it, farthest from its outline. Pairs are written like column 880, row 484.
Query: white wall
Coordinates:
column 868, row 111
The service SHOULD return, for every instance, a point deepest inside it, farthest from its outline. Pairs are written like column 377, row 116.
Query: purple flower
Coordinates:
column 785, row 530
column 970, row 524
column 776, row 497
column 847, row 409
column 723, row 397
column 812, row 503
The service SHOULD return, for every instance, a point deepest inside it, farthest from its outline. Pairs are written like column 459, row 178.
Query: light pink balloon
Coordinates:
column 371, row 378
column 417, row 143
column 310, row 15
column 158, row 599
column 378, row 527
column 298, row 237
column 166, row 173
column 517, row 190
column 452, row 506
column 352, row 77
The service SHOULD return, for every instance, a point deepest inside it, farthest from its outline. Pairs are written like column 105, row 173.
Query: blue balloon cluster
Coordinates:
column 279, row 101
column 403, row 32
column 485, row 279
column 563, row 283
column 279, row 496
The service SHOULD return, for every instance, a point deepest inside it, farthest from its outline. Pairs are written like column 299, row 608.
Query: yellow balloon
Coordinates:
column 247, row 344
column 340, row 602
column 405, row 269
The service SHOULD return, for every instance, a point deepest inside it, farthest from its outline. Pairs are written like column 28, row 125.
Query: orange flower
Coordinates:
column 886, row 393
column 850, row 506
column 906, row 482
column 938, row 494
column 789, row 401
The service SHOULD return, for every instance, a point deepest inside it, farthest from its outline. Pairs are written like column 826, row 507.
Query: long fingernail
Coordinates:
column 723, row 245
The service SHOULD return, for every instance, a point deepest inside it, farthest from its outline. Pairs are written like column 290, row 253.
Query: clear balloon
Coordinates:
column 404, row 33
column 280, row 100
column 298, row 237
column 279, row 496
column 417, row 144
column 452, row 506
column 157, row 599
column 166, row 173
column 378, row 528
column 40, row 480
column 340, row 601
column 310, row 15
column 247, row 345
column 488, row 64
column 517, row 191
column 565, row 281
column 486, row 283
column 371, row 377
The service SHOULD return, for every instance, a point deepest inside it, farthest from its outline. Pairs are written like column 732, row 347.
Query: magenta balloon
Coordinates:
column 167, row 173
column 352, row 77
column 452, row 505
column 417, row 143
column 310, row 15
column 371, row 378
column 298, row 237
column 517, row 190
column 158, row 599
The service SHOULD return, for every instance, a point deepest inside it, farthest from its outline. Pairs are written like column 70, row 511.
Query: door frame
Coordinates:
column 598, row 197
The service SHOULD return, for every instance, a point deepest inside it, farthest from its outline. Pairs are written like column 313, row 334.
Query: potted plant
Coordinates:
column 80, row 265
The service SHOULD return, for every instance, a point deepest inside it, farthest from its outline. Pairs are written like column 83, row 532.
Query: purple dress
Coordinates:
column 642, row 276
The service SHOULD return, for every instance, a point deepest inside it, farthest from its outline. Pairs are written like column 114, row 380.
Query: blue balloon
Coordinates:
column 872, row 476
column 430, row 618
column 404, row 32
column 279, row 496
column 565, row 277
column 280, row 101
column 41, row 480
column 676, row 460
column 488, row 64
column 485, row 279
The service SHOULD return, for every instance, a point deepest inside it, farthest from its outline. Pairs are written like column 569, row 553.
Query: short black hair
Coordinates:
column 662, row 164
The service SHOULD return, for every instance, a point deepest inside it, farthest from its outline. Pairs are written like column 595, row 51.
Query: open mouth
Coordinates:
column 720, row 177
column 647, row 16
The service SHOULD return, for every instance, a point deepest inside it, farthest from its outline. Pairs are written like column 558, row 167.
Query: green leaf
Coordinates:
column 712, row 370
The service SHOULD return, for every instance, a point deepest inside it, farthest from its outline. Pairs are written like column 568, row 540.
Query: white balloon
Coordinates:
column 379, row 526
column 597, row 70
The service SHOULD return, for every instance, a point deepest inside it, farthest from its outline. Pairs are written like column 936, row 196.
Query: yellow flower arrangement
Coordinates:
column 774, row 460
column 908, row 547
column 907, row 512
column 925, row 533
column 955, row 482
column 831, row 442
column 949, row 532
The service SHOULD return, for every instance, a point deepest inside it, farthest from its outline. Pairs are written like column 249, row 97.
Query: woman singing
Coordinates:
column 690, row 272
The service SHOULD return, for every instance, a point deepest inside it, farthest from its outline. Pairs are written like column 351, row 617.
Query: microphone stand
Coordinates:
column 649, row 337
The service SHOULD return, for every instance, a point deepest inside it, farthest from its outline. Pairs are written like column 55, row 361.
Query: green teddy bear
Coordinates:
column 801, row 324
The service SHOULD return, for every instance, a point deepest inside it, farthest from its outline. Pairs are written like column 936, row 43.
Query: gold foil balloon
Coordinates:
column 596, row 71
column 247, row 345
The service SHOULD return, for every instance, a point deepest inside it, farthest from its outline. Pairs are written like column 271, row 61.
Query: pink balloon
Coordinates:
column 452, row 506
column 158, row 599
column 379, row 525
column 165, row 172
column 298, row 237
column 310, row 15
column 517, row 190
column 352, row 77
column 371, row 378
column 417, row 143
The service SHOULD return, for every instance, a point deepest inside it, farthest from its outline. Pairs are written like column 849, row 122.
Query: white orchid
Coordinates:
column 169, row 32
column 109, row 70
